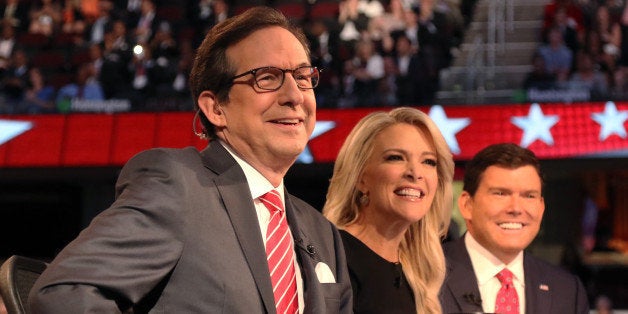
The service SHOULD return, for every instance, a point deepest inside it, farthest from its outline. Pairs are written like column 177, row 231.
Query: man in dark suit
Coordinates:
column 502, row 205
column 186, row 233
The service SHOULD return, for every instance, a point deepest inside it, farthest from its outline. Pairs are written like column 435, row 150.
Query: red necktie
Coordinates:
column 280, row 255
column 507, row 301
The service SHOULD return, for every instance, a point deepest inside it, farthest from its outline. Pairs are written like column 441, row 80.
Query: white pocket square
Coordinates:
column 324, row 274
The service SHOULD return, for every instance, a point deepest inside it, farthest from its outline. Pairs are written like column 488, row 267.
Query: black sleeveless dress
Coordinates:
column 379, row 286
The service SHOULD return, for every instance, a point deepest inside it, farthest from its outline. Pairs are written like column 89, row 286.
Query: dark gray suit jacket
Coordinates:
column 549, row 289
column 183, row 237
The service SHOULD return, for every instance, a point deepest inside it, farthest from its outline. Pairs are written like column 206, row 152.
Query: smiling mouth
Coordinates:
column 511, row 225
column 410, row 193
column 287, row 121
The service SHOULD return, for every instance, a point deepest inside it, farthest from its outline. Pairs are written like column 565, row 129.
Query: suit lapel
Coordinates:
column 461, row 279
column 306, row 256
column 538, row 292
column 235, row 194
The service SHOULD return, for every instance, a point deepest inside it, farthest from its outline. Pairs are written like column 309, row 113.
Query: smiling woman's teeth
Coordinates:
column 410, row 192
column 511, row 225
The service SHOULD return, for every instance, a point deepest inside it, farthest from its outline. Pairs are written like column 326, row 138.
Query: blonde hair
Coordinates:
column 420, row 252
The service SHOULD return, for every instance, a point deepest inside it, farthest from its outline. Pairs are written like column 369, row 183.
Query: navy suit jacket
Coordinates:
column 548, row 288
column 183, row 237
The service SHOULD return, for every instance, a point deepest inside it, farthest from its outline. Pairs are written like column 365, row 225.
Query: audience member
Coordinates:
column 7, row 44
column 144, row 28
column 187, row 232
column 324, row 45
column 488, row 269
column 14, row 80
column 73, row 20
column 15, row 12
column 609, row 30
column 411, row 82
column 95, row 32
column 572, row 36
column 39, row 96
column 573, row 12
column 621, row 74
column 557, row 57
column 45, row 17
column 205, row 14
column 333, row 40
column 352, row 22
column 82, row 88
column 363, row 75
column 587, row 77
column 115, row 76
column 538, row 77
column 390, row 194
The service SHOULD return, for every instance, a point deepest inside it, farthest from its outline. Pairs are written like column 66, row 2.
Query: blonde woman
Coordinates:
column 391, row 196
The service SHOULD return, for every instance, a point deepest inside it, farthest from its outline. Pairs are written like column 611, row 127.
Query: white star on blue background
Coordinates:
column 449, row 127
column 611, row 120
column 11, row 128
column 320, row 128
column 535, row 126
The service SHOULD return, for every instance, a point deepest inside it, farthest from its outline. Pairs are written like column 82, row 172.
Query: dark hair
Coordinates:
column 213, row 71
column 505, row 155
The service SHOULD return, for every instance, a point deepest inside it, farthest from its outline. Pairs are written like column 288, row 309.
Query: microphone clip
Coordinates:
column 472, row 298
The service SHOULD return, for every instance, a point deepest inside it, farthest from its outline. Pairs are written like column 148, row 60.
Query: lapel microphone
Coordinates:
column 310, row 250
column 473, row 299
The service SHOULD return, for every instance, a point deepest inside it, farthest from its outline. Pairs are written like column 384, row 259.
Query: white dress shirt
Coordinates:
column 486, row 266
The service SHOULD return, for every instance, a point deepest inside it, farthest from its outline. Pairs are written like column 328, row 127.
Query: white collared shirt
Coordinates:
column 259, row 185
column 486, row 266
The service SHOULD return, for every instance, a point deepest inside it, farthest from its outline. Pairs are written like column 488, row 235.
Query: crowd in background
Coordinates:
column 584, row 47
column 372, row 52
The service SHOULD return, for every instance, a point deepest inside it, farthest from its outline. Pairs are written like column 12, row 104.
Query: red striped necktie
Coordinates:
column 280, row 255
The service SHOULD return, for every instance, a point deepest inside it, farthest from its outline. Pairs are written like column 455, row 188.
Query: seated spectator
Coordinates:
column 73, row 20
column 539, row 78
column 204, row 14
column 588, row 77
column 15, row 12
column 557, row 57
column 363, row 74
column 83, row 88
column 572, row 36
column 7, row 44
column 45, row 17
column 39, row 96
column 575, row 16
column 608, row 29
column 14, row 81
column 114, row 71
column 324, row 47
column 352, row 22
column 407, row 71
column 144, row 29
column 95, row 31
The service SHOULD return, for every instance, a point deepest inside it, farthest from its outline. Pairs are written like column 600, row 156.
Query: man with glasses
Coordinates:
column 200, row 232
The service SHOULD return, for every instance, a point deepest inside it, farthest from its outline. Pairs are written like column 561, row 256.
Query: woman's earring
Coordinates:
column 364, row 199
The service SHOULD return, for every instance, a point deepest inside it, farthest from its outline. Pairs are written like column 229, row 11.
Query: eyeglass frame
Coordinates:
column 283, row 77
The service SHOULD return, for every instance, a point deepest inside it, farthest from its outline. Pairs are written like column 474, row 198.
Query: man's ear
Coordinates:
column 209, row 105
column 465, row 205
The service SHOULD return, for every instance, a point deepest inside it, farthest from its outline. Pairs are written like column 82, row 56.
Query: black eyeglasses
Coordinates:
column 271, row 78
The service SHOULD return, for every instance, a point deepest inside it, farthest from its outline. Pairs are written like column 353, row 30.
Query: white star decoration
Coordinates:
column 535, row 126
column 449, row 127
column 611, row 120
column 320, row 128
column 11, row 128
